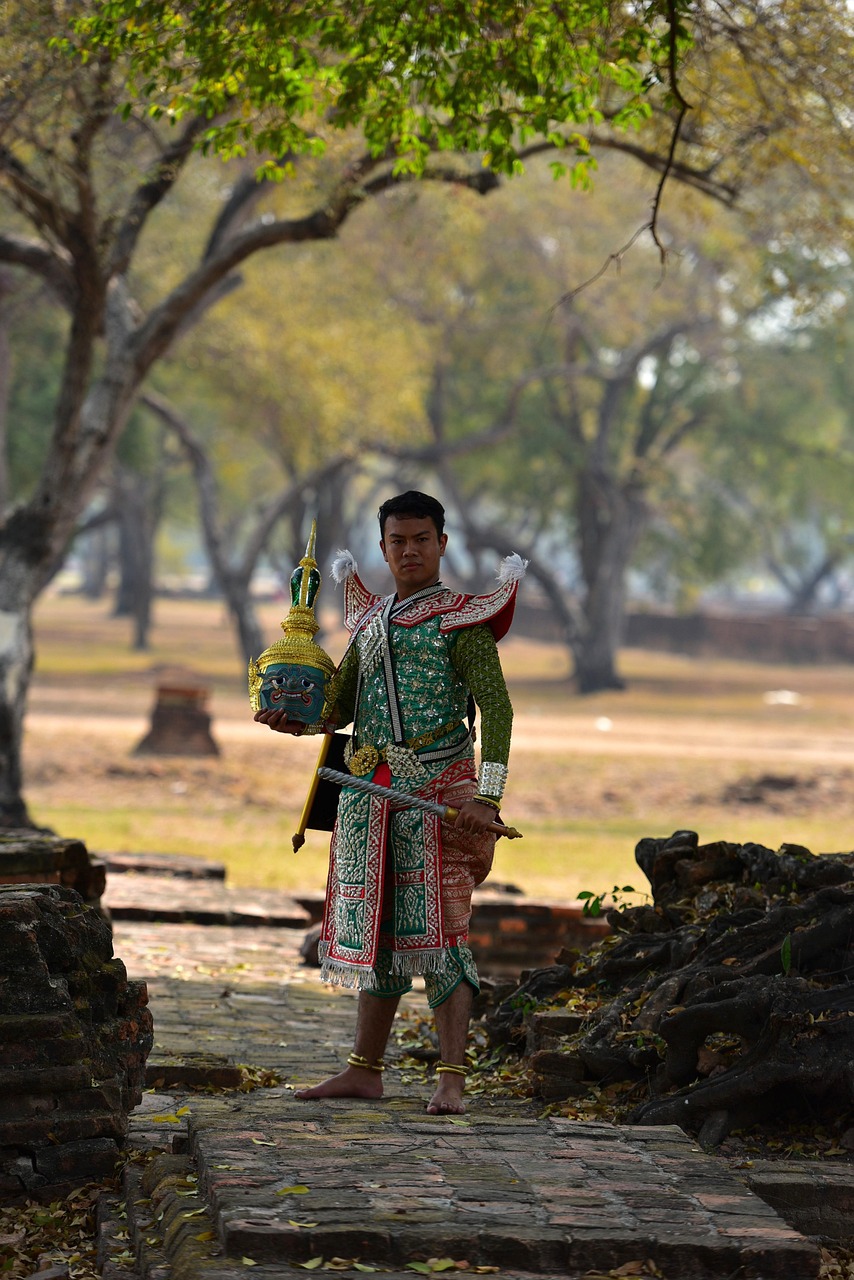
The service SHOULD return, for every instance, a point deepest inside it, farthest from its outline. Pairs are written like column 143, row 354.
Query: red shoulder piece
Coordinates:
column 496, row 610
column 357, row 600
column 458, row 610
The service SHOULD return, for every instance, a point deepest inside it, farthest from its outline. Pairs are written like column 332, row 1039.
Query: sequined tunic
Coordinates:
column 434, row 672
column 394, row 872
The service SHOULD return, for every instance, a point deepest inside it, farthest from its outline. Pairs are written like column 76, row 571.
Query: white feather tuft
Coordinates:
column 343, row 566
column 512, row 569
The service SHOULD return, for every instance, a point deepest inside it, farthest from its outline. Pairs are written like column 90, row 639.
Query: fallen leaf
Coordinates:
column 205, row 1235
column 249, row 1262
column 262, row 1142
column 298, row 1190
column 635, row 1268
column 292, row 1223
column 362, row 1266
column 312, row 1264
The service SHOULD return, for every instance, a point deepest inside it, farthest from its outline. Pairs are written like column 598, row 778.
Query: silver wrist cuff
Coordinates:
column 492, row 779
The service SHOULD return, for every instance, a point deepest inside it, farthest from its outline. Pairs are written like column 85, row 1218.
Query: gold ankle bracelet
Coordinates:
column 451, row 1068
column 356, row 1060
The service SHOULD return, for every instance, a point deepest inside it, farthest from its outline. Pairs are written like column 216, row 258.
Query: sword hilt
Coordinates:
column 498, row 827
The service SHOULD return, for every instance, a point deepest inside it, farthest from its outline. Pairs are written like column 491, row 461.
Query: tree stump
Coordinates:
column 74, row 1038
column 180, row 724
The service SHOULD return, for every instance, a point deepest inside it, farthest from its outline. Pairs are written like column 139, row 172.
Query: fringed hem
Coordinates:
column 404, row 964
column 341, row 974
column 419, row 963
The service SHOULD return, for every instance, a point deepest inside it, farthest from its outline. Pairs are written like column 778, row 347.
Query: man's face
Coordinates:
column 413, row 551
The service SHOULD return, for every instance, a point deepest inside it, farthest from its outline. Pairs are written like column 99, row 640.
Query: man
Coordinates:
column 400, row 881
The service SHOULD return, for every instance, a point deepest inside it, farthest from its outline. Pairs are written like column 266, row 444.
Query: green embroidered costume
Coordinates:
column 399, row 893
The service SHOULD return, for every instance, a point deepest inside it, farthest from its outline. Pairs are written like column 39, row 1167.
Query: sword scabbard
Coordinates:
column 445, row 811
column 298, row 838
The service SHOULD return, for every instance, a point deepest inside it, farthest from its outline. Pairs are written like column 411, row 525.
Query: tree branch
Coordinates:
column 52, row 265
column 267, row 517
column 159, row 181
column 30, row 196
column 158, row 330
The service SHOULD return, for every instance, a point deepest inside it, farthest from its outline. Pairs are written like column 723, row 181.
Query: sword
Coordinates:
column 445, row 811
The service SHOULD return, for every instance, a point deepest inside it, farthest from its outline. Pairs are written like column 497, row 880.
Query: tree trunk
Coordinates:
column 5, row 391
column 95, row 557
column 16, row 664
column 139, row 501
column 239, row 601
column 610, row 517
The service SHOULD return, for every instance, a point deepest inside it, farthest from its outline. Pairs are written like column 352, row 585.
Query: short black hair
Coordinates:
column 413, row 503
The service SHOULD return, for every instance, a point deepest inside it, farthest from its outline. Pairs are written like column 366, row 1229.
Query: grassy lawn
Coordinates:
column 589, row 777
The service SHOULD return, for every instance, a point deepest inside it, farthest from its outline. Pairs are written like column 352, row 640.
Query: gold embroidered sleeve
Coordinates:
column 476, row 661
column 341, row 692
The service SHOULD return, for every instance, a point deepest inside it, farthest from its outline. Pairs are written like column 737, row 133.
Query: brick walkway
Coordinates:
column 385, row 1184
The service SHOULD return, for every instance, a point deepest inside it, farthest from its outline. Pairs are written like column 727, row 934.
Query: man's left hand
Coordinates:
column 475, row 817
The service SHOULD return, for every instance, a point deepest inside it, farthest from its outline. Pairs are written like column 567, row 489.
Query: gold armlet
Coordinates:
column 488, row 800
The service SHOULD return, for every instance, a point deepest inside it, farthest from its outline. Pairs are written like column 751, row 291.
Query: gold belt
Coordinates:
column 366, row 758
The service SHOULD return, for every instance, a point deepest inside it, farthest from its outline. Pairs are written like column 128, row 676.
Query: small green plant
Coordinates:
column 786, row 954
column 594, row 902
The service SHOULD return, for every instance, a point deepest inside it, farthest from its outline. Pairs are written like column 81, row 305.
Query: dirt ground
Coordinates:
column 734, row 750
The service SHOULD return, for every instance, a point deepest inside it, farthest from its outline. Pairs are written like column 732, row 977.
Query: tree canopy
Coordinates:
column 414, row 77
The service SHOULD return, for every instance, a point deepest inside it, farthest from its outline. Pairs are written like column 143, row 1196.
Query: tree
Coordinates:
column 554, row 438
column 233, row 567
column 414, row 78
column 82, row 186
column 767, row 490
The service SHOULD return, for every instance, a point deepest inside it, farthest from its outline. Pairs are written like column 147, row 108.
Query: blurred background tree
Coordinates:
column 432, row 339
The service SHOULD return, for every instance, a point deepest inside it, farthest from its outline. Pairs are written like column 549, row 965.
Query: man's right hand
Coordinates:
column 278, row 720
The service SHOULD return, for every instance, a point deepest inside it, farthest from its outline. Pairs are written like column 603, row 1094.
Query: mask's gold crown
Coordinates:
column 297, row 646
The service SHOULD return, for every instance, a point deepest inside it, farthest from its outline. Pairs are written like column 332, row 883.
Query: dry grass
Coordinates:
column 589, row 777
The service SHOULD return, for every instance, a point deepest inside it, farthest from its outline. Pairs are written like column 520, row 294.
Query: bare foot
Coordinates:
column 352, row 1082
column 448, row 1098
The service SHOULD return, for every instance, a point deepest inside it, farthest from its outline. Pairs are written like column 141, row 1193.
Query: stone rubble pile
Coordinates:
column 74, row 1038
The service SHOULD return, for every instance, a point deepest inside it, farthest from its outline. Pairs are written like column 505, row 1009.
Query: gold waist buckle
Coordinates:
column 366, row 757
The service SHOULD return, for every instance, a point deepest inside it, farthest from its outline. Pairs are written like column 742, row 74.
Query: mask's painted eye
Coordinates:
column 307, row 684
column 277, row 682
